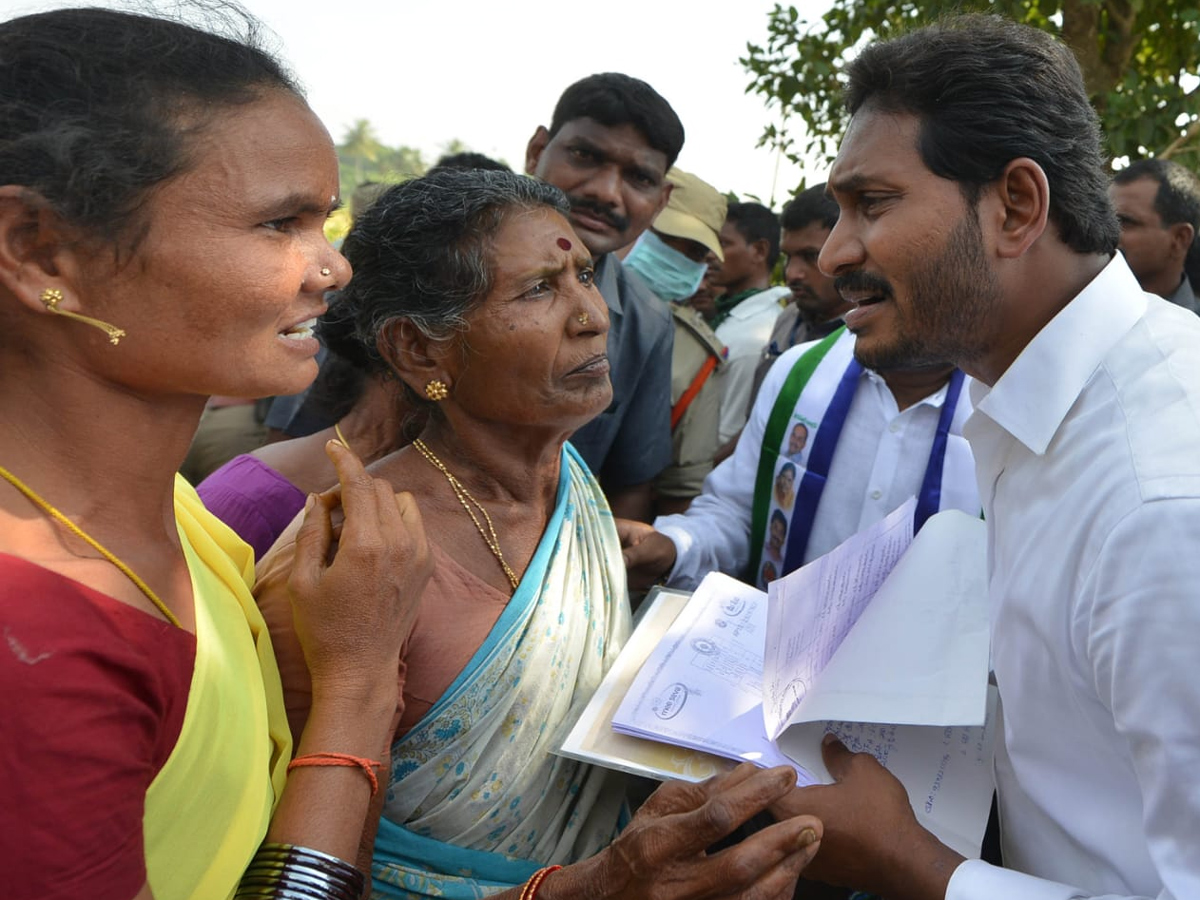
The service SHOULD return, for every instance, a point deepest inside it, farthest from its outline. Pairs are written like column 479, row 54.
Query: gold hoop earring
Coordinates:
column 436, row 390
column 51, row 297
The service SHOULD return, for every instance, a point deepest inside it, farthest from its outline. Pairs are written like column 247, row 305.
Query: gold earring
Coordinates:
column 51, row 297
column 583, row 318
column 436, row 390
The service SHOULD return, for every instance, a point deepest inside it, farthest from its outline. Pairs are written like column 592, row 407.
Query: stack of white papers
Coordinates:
column 883, row 641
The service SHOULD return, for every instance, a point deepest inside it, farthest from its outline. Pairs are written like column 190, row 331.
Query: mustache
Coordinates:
column 860, row 282
column 603, row 213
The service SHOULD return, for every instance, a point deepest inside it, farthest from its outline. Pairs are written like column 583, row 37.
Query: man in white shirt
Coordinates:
column 975, row 225
column 747, row 312
column 826, row 453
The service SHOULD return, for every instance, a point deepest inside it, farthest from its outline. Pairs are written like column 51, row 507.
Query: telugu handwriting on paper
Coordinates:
column 864, row 737
column 814, row 608
column 893, row 636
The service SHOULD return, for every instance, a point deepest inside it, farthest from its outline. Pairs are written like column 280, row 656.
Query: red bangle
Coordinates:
column 340, row 759
column 531, row 886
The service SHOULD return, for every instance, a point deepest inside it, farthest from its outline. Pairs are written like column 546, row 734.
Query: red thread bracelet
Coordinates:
column 340, row 759
column 529, row 892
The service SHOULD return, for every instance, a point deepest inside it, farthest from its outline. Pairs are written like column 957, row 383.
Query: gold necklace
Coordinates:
column 463, row 495
column 337, row 429
column 36, row 500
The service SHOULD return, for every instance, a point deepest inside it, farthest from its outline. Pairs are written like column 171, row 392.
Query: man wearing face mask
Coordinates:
column 670, row 257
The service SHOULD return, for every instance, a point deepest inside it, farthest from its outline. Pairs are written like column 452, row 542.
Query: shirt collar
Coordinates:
column 936, row 400
column 757, row 302
column 607, row 269
column 1185, row 296
column 1032, row 398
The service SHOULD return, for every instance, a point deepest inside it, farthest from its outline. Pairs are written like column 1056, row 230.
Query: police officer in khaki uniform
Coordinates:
column 671, row 258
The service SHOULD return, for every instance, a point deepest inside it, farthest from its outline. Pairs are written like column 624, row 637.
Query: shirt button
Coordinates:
column 894, row 427
column 876, row 494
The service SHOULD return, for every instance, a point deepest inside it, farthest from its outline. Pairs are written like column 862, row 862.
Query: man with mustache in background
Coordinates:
column 816, row 307
column 609, row 145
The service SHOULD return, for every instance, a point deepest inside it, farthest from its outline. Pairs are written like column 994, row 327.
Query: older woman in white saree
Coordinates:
column 477, row 294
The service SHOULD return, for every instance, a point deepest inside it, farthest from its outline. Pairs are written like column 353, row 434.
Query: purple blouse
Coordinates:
column 253, row 499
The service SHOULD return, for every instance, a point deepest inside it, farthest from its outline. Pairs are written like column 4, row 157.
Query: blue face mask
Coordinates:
column 670, row 274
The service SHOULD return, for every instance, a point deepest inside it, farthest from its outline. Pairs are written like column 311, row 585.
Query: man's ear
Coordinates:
column 1021, row 204
column 533, row 150
column 35, row 250
column 1182, row 236
column 759, row 250
column 415, row 358
column 664, row 199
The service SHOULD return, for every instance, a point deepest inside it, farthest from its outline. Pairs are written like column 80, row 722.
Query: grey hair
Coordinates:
column 422, row 252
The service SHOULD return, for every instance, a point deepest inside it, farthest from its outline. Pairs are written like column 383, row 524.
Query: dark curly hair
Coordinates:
column 98, row 106
column 422, row 252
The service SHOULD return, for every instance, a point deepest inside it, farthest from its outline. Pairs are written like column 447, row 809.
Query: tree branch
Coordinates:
column 1080, row 27
column 1177, row 144
column 1120, row 39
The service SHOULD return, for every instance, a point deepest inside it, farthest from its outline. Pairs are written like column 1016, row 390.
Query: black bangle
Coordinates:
column 288, row 872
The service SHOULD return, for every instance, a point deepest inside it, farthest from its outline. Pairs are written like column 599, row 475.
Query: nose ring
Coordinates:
column 326, row 271
column 583, row 318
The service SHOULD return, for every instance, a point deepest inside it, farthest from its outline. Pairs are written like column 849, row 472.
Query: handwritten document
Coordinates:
column 913, row 652
column 883, row 641
column 814, row 608
column 946, row 770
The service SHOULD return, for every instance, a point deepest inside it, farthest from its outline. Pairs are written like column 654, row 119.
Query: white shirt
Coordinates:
column 878, row 464
column 1088, row 454
column 745, row 333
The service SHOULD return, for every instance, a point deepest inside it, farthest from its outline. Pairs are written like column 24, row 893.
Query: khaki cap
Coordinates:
column 696, row 211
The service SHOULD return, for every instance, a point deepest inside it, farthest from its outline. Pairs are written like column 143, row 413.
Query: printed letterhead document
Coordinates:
column 883, row 641
column 589, row 735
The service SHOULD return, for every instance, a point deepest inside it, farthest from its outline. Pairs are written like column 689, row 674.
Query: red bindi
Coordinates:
column 564, row 243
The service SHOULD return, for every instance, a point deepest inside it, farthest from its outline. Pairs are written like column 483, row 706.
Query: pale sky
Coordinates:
column 427, row 71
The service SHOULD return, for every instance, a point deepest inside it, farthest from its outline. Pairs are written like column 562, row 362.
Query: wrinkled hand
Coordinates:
column 648, row 554
column 660, row 855
column 872, row 840
column 354, row 604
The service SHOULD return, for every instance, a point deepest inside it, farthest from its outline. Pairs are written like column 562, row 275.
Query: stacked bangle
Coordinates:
column 287, row 872
column 529, row 892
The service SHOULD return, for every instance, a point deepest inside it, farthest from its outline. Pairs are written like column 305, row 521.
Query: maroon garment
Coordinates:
column 92, row 698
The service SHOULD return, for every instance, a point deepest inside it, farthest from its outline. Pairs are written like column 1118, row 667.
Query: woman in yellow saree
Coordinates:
column 163, row 192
